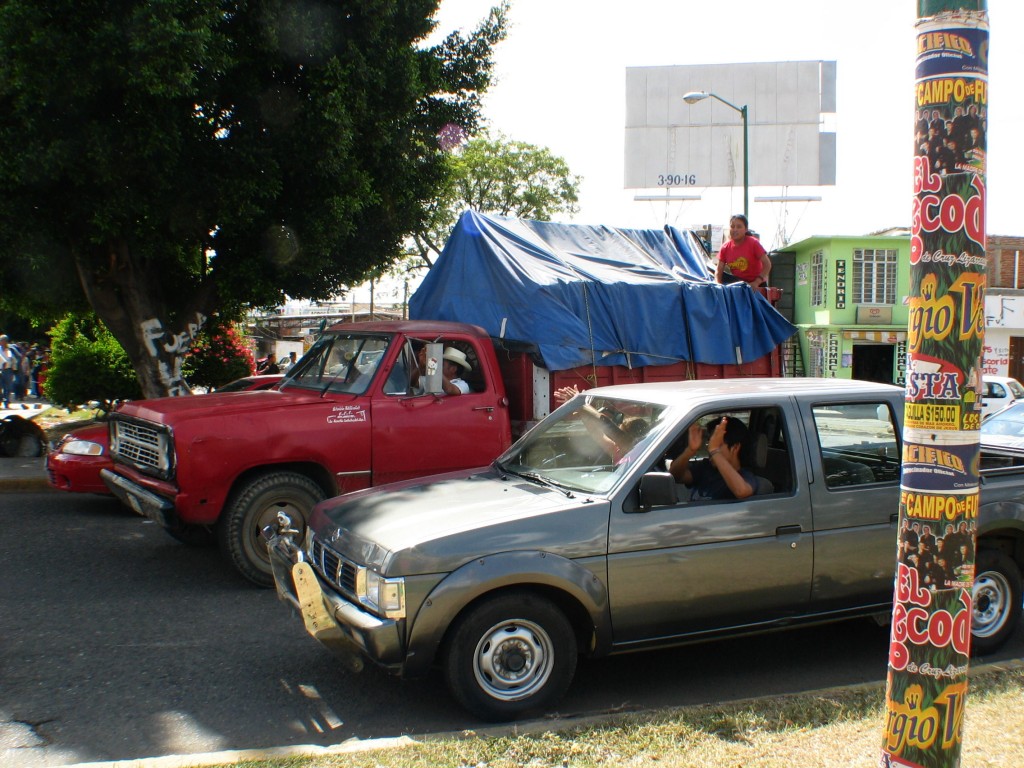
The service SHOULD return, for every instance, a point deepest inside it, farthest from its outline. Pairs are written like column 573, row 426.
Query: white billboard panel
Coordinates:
column 669, row 143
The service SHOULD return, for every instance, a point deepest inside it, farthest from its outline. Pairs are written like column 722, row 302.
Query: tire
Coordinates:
column 509, row 655
column 996, row 601
column 9, row 441
column 255, row 505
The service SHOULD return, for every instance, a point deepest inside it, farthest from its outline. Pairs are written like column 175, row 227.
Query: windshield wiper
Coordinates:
column 546, row 482
column 534, row 477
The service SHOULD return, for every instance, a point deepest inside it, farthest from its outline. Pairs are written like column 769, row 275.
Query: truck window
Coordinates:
column 858, row 443
column 339, row 363
column 767, row 455
column 588, row 444
column 399, row 380
column 410, row 362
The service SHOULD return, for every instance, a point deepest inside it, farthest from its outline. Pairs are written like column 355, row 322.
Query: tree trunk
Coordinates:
column 154, row 333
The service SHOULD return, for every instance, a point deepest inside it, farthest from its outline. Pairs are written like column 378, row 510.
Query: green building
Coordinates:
column 849, row 304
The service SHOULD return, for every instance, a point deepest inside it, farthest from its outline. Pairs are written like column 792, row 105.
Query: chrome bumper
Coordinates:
column 344, row 628
column 143, row 501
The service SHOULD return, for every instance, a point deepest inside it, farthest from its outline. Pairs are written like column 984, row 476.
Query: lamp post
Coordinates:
column 692, row 98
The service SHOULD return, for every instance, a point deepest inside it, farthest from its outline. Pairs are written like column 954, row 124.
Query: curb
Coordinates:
column 24, row 485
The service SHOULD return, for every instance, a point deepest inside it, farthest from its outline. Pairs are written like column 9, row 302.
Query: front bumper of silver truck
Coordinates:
column 343, row 627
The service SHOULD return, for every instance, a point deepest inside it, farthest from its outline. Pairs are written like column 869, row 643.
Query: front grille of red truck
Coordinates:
column 337, row 570
column 143, row 445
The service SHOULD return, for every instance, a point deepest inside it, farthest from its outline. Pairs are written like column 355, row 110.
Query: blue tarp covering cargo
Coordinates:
column 581, row 294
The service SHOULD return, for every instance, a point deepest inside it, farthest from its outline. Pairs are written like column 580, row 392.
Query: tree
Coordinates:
column 162, row 160
column 498, row 175
column 87, row 364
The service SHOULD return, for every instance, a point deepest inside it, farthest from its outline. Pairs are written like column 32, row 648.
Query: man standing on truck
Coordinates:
column 721, row 475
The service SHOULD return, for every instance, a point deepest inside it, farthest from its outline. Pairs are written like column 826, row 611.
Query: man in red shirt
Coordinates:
column 743, row 256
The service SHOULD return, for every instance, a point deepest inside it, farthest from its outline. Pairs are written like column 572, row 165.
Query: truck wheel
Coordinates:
column 996, row 601
column 510, row 654
column 256, row 505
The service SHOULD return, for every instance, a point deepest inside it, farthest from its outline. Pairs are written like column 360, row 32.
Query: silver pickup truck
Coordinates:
column 503, row 576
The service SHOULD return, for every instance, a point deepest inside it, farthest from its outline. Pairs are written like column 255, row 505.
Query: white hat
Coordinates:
column 456, row 356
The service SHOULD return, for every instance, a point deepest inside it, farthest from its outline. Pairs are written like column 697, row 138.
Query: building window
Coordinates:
column 818, row 279
column 874, row 276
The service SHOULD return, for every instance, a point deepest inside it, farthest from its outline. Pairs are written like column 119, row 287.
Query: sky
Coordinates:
column 561, row 85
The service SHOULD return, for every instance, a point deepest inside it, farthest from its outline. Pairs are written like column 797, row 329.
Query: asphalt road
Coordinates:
column 117, row 642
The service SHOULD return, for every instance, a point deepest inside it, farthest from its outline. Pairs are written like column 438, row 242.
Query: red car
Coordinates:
column 74, row 463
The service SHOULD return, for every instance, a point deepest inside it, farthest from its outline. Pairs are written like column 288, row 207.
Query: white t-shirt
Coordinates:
column 7, row 359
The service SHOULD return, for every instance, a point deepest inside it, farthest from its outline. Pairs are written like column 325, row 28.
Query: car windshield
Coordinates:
column 1007, row 422
column 338, row 362
column 1015, row 387
column 588, row 444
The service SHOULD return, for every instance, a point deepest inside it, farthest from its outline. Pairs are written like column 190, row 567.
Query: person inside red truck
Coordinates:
column 453, row 362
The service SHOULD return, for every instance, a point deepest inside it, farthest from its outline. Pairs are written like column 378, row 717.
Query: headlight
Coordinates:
column 165, row 451
column 82, row 448
column 382, row 596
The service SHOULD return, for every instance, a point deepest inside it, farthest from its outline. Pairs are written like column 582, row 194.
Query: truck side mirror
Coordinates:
column 657, row 489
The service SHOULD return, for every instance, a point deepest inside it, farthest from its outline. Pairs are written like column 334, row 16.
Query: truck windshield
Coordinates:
column 338, row 363
column 588, row 444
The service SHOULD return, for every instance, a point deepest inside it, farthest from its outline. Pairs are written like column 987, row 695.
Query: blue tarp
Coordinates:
column 581, row 294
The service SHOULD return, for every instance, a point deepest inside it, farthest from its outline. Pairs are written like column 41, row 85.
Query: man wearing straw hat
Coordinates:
column 454, row 359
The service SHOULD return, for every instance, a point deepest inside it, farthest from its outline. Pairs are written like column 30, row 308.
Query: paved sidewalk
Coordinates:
column 20, row 473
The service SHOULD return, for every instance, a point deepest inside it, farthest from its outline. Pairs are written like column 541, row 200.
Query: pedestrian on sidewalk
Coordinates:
column 8, row 370
column 24, row 375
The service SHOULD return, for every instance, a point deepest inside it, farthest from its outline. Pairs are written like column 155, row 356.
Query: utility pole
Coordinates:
column 933, row 603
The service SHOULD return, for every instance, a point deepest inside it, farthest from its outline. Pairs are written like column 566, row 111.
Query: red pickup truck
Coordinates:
column 350, row 414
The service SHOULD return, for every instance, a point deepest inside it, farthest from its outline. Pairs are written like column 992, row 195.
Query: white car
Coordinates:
column 998, row 392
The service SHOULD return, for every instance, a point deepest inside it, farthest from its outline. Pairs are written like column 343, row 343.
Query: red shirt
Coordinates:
column 743, row 258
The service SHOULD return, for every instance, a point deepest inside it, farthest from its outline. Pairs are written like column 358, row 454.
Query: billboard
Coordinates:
column 670, row 143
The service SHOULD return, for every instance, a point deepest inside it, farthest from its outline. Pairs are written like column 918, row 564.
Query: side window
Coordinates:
column 765, row 453
column 400, row 377
column 858, row 443
column 995, row 390
column 404, row 377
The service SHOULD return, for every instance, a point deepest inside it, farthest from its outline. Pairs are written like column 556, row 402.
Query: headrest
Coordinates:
column 760, row 450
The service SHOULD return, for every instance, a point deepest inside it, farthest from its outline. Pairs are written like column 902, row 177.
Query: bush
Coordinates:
column 87, row 363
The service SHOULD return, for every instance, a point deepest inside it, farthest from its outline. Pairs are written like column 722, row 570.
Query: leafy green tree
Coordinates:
column 166, row 159
column 502, row 176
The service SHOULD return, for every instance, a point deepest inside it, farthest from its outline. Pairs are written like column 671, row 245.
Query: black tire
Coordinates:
column 509, row 655
column 996, row 601
column 255, row 505
column 9, row 441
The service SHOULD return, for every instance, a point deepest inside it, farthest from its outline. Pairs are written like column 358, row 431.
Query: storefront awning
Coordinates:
column 882, row 337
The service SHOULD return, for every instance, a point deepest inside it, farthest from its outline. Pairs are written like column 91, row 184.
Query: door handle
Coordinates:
column 788, row 530
column 488, row 408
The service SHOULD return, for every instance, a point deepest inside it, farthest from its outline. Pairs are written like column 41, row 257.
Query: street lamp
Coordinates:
column 692, row 98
